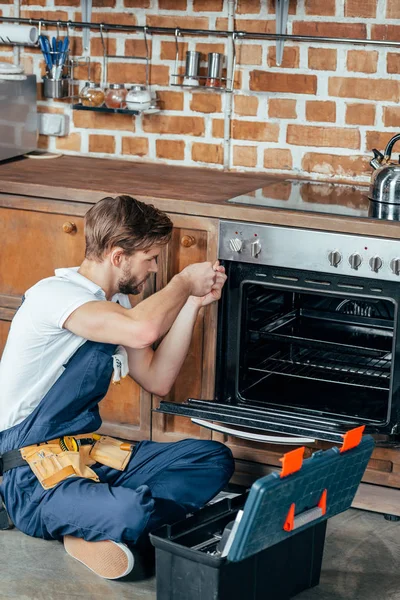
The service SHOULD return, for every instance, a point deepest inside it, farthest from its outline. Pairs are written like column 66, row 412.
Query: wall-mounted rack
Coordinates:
column 242, row 35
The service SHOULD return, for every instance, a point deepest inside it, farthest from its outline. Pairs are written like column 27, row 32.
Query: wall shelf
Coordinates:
column 121, row 111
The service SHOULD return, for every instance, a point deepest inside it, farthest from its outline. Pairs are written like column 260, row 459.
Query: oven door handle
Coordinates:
column 254, row 437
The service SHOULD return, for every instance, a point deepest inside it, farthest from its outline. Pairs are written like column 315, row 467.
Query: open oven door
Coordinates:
column 279, row 428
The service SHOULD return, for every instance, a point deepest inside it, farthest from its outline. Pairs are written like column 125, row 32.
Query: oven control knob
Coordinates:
column 236, row 244
column 375, row 263
column 334, row 258
column 395, row 266
column 355, row 260
column 255, row 248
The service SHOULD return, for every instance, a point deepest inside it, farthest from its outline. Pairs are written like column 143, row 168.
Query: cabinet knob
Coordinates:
column 69, row 227
column 187, row 241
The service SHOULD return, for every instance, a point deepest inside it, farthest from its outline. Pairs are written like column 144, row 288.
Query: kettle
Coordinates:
column 385, row 182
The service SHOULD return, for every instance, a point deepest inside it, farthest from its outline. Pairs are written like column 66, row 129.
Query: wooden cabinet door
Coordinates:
column 194, row 239
column 33, row 244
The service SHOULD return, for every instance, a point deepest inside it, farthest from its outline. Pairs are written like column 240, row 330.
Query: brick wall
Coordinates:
column 319, row 114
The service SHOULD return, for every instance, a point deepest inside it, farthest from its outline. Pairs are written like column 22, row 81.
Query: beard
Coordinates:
column 129, row 284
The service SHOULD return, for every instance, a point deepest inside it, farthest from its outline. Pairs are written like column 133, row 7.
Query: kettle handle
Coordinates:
column 389, row 147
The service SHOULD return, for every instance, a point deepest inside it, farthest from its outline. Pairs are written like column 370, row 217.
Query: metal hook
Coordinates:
column 145, row 28
column 104, row 70
column 58, row 30
column 176, row 78
column 39, row 29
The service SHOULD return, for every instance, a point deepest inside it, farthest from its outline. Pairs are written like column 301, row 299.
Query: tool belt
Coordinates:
column 69, row 456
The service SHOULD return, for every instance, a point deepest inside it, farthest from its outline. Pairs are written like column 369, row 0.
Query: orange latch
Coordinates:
column 352, row 438
column 289, row 523
column 292, row 461
column 322, row 501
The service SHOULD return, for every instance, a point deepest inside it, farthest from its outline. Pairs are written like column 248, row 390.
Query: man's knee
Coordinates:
column 218, row 454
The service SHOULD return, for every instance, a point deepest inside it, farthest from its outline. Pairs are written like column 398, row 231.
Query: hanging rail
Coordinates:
column 207, row 32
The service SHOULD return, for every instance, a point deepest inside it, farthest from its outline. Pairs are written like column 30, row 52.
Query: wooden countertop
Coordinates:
column 185, row 190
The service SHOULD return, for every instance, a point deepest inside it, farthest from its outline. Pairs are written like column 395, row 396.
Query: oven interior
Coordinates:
column 315, row 353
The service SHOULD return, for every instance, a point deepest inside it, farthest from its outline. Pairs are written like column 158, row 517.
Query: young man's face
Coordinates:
column 137, row 269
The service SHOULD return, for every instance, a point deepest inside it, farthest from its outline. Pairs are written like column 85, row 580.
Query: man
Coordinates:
column 73, row 332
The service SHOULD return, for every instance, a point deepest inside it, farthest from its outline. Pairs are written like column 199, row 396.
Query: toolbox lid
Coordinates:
column 304, row 494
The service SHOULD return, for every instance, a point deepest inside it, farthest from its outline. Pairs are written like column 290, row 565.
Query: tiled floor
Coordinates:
column 361, row 562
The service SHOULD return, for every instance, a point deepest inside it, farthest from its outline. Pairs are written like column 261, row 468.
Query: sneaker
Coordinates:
column 107, row 559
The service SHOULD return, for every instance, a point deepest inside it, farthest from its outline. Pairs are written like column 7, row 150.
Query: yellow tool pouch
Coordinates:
column 51, row 464
column 111, row 452
column 56, row 460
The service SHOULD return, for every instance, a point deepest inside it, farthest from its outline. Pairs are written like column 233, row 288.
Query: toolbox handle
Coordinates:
column 254, row 437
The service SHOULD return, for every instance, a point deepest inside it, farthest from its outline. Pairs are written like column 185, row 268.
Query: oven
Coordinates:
column 308, row 340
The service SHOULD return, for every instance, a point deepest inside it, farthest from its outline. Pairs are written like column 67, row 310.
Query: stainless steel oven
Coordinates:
column 308, row 336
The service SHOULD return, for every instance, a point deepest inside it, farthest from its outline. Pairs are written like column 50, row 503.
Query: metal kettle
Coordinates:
column 385, row 182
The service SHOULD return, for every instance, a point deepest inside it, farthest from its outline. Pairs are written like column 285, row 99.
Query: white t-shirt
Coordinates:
column 37, row 346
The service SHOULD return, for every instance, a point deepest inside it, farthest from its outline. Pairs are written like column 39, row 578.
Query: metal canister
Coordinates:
column 214, row 69
column 192, row 63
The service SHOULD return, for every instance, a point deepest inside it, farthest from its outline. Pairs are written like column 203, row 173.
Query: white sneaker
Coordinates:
column 107, row 559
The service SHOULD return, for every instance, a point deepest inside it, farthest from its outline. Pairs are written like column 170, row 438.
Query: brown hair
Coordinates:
column 125, row 222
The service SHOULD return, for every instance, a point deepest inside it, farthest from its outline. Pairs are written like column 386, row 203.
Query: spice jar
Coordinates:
column 91, row 94
column 115, row 96
column 214, row 69
column 138, row 98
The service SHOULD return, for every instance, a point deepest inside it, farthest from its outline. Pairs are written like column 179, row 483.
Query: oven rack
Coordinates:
column 334, row 367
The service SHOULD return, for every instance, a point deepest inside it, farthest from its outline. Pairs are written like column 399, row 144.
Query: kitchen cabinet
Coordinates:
column 194, row 239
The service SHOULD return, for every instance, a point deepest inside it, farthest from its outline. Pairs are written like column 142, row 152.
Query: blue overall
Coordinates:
column 162, row 482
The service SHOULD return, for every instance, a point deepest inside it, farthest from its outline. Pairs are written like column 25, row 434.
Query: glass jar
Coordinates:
column 115, row 96
column 138, row 98
column 91, row 94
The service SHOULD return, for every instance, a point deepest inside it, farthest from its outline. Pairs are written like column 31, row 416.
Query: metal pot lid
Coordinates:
column 385, row 185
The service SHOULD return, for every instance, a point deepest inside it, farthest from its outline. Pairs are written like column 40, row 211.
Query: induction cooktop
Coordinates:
column 312, row 196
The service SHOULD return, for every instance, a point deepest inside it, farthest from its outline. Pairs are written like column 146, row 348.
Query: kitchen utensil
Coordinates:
column 138, row 98
column 55, row 88
column 115, row 96
column 91, row 94
column 385, row 182
column 214, row 69
column 192, row 68
column 18, row 34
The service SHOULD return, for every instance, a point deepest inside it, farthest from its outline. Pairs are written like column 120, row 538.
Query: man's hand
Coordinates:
column 201, row 278
column 215, row 293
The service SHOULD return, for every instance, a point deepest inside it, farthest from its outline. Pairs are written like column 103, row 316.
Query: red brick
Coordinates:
column 391, row 116
column 97, row 120
column 71, row 142
column 326, row 8
column 182, row 22
column 321, row 110
column 264, row 81
column 290, row 60
column 369, row 89
column 112, row 18
column 205, row 103
column 322, row 59
column 170, row 149
column 362, row 61
column 332, row 164
column 170, row 100
column 136, row 73
column 96, row 46
column 282, row 108
column 392, row 9
column 39, row 2
column 206, row 48
column 103, row 3
column 208, row 5
column 43, row 142
column 393, row 62
column 209, row 153
column 332, row 137
column 385, row 32
column 275, row 158
column 360, row 114
column 55, row 15
column 138, row 47
column 135, row 146
column 172, row 4
column 218, row 128
column 102, row 143
column 246, row 105
column 137, row 3
column 378, row 139
column 168, row 50
column 250, row 25
column 159, row 123
column 245, row 7
column 244, row 156
column 81, row 72
column 254, row 130
column 329, row 29
column 360, row 8
column 249, row 54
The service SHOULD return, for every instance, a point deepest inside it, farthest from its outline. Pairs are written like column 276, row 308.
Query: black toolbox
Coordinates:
column 274, row 549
